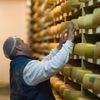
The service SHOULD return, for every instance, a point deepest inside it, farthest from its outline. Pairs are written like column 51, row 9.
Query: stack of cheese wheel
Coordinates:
column 96, row 17
column 96, row 85
column 80, row 74
column 71, row 94
column 89, row 79
column 73, row 73
column 79, row 49
column 52, row 45
column 66, row 71
column 66, row 7
column 97, row 50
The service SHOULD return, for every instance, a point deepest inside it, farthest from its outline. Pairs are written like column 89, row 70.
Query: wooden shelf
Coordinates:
column 92, row 38
column 92, row 61
column 91, row 95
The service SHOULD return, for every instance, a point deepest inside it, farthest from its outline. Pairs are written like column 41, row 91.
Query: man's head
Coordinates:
column 14, row 46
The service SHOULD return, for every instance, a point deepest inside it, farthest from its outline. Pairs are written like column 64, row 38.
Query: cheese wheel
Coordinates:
column 81, row 22
column 67, row 71
column 89, row 79
column 64, row 25
column 66, row 7
column 62, row 88
column 51, row 1
column 75, row 22
column 58, row 11
column 96, row 17
column 57, row 85
column 73, row 72
column 52, row 45
column 96, row 85
column 84, row 49
column 71, row 94
column 79, row 49
column 89, row 50
column 50, row 16
column 97, row 50
column 88, row 21
column 80, row 74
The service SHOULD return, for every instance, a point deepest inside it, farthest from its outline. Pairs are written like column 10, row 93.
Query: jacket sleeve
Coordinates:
column 36, row 71
column 51, row 54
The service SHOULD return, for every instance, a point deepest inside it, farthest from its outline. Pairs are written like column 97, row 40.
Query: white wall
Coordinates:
column 12, row 23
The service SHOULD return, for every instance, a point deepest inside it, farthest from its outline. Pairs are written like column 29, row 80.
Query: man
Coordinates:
column 29, row 78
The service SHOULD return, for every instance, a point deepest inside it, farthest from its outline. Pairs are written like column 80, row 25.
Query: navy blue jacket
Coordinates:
column 19, row 90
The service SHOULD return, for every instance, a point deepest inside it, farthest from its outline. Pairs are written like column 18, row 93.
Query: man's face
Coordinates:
column 23, row 47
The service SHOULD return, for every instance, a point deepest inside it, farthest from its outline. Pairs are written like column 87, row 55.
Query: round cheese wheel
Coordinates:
column 81, row 22
column 89, row 50
column 66, row 7
column 96, row 85
column 84, row 49
column 73, row 72
column 64, row 25
column 79, row 49
column 97, row 50
column 58, row 11
column 75, row 22
column 89, row 79
column 52, row 45
column 62, row 88
column 96, row 17
column 67, row 71
column 80, row 74
column 88, row 21
column 71, row 94
column 57, row 85
column 51, row 1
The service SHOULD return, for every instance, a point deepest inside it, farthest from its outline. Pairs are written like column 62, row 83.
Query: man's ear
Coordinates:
column 19, row 48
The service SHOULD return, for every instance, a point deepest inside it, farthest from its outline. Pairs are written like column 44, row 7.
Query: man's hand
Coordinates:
column 71, row 32
column 70, row 35
column 63, row 39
